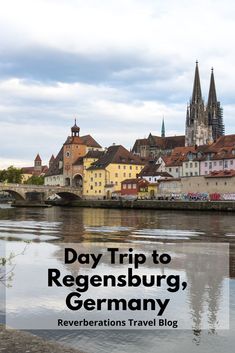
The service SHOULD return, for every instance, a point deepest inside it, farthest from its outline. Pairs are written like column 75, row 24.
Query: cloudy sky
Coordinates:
column 118, row 66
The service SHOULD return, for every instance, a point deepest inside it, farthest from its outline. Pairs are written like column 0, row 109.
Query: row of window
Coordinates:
column 191, row 174
column 129, row 186
column 191, row 164
column 96, row 191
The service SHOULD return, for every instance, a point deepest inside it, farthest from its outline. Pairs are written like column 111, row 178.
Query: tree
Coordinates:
column 35, row 180
column 11, row 175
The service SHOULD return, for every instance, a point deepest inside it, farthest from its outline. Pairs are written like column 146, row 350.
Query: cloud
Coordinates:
column 117, row 65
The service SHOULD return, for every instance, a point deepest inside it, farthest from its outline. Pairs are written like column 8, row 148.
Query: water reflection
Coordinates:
column 138, row 227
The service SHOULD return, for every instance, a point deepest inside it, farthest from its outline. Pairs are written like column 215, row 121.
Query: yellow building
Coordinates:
column 103, row 176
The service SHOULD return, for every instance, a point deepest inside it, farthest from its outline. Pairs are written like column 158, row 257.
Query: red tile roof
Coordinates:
column 221, row 174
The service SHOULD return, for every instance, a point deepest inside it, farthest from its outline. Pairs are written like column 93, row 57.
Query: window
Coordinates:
column 186, row 165
column 129, row 175
column 215, row 163
column 231, row 162
column 191, row 165
column 191, row 174
column 130, row 167
column 169, row 169
column 95, row 175
column 116, row 175
column 92, row 179
column 205, row 164
column 119, row 167
column 99, row 191
column 176, row 169
column 116, row 182
column 134, row 186
column 91, row 187
column 195, row 164
column 225, row 164
column 225, row 183
column 216, row 183
column 196, row 173
column 129, row 186
column 67, row 154
column 100, row 183
column 210, row 165
column 186, row 174
column 100, row 175
column 124, row 167
column 220, row 163
column 124, row 186
column 124, row 174
column 95, row 183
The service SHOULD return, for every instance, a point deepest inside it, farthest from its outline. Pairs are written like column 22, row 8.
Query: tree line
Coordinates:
column 15, row 175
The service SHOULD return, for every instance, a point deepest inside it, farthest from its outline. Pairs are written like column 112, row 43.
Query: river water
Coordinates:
column 46, row 227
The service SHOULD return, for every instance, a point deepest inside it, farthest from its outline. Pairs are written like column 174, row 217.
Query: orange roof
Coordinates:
column 221, row 174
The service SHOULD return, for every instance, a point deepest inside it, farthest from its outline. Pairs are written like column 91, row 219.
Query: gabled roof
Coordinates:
column 225, row 141
column 94, row 154
column 150, row 169
column 166, row 143
column 116, row 154
column 89, row 141
column 55, row 169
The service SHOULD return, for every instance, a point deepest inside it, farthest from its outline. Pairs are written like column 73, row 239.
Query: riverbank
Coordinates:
column 228, row 206
column 12, row 341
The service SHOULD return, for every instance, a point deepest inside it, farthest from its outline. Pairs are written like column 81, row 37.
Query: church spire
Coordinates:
column 212, row 98
column 163, row 128
column 197, row 93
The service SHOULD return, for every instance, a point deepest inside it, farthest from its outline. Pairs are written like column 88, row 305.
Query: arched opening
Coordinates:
column 15, row 195
column 68, row 196
column 78, row 181
column 67, row 181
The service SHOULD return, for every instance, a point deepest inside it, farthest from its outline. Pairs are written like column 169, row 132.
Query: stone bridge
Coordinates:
column 19, row 191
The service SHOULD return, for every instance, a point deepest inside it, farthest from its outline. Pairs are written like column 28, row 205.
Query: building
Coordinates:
column 151, row 172
column 104, row 176
column 136, row 187
column 204, row 124
column 155, row 146
column 67, row 168
column 38, row 169
column 216, row 182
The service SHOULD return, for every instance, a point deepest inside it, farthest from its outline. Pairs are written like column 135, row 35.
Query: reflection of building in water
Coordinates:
column 206, row 272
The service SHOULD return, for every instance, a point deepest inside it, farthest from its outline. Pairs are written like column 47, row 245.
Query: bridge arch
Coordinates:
column 16, row 194
column 68, row 196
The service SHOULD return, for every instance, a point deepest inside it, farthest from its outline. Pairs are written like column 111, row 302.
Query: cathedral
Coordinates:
column 204, row 123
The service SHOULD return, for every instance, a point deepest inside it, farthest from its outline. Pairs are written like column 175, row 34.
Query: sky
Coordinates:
column 117, row 66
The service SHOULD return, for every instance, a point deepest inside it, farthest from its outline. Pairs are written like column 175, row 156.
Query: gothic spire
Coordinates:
column 197, row 93
column 212, row 99
column 163, row 128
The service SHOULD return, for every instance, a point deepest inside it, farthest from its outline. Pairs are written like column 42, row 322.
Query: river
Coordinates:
column 46, row 227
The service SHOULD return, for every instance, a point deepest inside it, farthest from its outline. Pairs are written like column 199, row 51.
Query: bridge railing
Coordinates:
column 44, row 187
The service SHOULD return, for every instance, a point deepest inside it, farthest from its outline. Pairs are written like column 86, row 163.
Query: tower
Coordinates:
column 38, row 163
column 214, row 111
column 198, row 131
column 75, row 129
column 163, row 128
